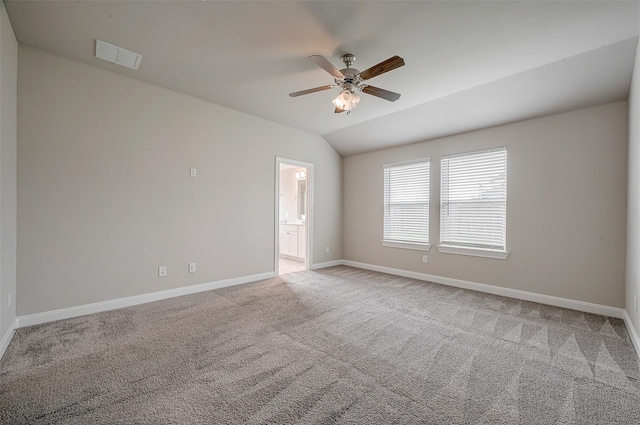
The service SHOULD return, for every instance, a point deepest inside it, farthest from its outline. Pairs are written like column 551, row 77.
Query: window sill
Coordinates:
column 474, row 252
column 406, row 245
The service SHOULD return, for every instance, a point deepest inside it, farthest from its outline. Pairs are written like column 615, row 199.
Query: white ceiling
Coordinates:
column 469, row 65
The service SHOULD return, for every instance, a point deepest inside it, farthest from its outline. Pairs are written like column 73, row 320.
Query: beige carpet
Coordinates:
column 336, row 346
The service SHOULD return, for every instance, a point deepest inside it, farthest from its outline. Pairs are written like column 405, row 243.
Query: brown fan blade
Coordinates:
column 326, row 65
column 300, row 93
column 386, row 66
column 382, row 93
column 338, row 110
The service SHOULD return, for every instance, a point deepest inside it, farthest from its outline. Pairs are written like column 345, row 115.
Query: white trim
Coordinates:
column 406, row 245
column 481, row 151
column 469, row 167
column 408, row 162
column 326, row 264
column 39, row 318
column 81, row 310
column 497, row 290
column 473, row 252
column 394, row 176
column 309, row 218
column 6, row 338
column 633, row 334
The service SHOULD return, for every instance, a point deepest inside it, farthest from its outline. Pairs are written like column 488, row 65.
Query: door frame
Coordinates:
column 309, row 216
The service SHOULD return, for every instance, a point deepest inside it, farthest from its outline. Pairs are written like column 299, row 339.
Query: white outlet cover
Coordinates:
column 192, row 267
column 162, row 271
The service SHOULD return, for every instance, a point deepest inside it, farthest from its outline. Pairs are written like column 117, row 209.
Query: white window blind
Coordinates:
column 406, row 202
column 473, row 200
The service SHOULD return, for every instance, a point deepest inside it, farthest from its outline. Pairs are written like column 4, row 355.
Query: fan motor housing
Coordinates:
column 351, row 78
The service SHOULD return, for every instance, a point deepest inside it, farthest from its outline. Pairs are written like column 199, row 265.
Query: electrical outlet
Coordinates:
column 424, row 259
column 162, row 271
column 326, row 250
column 635, row 302
column 194, row 172
column 192, row 267
column 9, row 299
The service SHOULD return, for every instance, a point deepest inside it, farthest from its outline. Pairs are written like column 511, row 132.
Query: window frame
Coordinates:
column 398, row 243
column 451, row 247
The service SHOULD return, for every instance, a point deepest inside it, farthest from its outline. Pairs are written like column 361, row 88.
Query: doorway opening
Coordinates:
column 293, row 215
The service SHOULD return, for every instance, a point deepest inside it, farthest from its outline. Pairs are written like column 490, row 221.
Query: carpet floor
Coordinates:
column 335, row 346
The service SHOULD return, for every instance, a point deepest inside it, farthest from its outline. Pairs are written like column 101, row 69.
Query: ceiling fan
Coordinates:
column 352, row 80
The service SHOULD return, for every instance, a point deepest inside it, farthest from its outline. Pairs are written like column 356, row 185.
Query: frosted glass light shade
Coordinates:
column 346, row 100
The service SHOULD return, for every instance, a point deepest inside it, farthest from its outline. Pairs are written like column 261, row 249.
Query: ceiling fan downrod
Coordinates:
column 348, row 59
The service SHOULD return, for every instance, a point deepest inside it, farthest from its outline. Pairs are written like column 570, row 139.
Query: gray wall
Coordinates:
column 8, row 190
column 566, row 208
column 106, row 196
column 633, row 212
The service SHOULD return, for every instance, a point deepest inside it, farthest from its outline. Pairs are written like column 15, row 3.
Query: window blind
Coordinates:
column 406, row 202
column 473, row 199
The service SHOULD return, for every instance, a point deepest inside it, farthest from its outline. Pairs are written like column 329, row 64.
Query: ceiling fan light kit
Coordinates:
column 346, row 100
column 351, row 79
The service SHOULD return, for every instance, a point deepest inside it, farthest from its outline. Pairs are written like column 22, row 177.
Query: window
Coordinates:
column 406, row 205
column 473, row 203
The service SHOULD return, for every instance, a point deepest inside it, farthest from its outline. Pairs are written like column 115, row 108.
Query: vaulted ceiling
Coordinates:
column 469, row 65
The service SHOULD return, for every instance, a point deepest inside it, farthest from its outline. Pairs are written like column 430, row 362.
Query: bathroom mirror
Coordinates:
column 302, row 199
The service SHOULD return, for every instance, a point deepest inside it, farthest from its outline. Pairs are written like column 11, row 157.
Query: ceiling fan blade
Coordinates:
column 385, row 66
column 338, row 110
column 313, row 90
column 326, row 65
column 382, row 93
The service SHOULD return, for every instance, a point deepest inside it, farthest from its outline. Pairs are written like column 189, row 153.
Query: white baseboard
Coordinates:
column 6, row 338
column 633, row 333
column 326, row 264
column 67, row 313
column 497, row 290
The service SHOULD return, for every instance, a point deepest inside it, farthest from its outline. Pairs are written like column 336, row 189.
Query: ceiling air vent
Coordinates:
column 115, row 54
